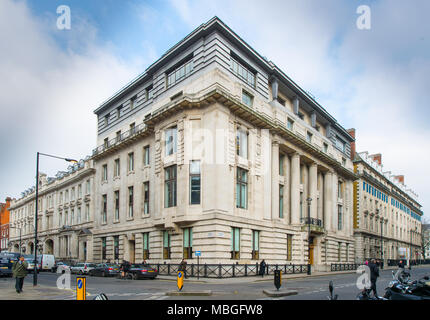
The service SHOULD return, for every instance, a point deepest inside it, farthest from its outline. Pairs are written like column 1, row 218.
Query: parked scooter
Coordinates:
column 366, row 294
column 398, row 289
column 330, row 289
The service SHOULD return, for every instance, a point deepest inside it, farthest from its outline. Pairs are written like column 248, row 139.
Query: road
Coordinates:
column 313, row 288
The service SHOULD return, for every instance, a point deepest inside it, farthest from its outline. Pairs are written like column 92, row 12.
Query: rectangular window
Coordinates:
column 106, row 120
column 146, row 245
column 309, row 137
column 87, row 213
column 146, row 197
column 289, row 247
column 118, row 136
column 117, row 168
column 188, row 243
column 79, row 215
column 116, row 205
column 130, row 202
column 242, row 188
column 116, row 247
column 118, row 112
column 72, row 216
column 104, row 206
column 243, row 72
column 242, row 143
column 247, row 98
column 148, row 92
column 339, row 190
column 339, row 246
column 325, row 147
column 79, row 191
column 235, row 243
column 255, row 244
column 340, row 144
column 105, row 173
column 170, row 186
column 146, row 155
column 104, row 248
column 281, row 201
column 290, row 124
column 195, row 182
column 180, row 73
column 166, row 245
column 88, row 187
column 133, row 102
column 339, row 217
column 132, row 128
column 130, row 162
column 171, row 141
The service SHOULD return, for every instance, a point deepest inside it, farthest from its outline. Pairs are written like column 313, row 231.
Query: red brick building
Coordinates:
column 4, row 224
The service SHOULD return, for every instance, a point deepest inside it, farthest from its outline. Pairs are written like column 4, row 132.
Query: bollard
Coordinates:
column 180, row 280
column 81, row 289
column 278, row 279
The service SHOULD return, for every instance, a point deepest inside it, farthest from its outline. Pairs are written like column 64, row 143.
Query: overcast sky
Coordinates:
column 52, row 80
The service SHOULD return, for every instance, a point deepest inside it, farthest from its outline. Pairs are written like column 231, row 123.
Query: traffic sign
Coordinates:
column 198, row 253
column 81, row 290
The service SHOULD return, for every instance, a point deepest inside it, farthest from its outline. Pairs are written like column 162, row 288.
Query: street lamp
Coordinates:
column 20, row 241
column 309, row 200
column 382, row 245
column 410, row 247
column 37, row 201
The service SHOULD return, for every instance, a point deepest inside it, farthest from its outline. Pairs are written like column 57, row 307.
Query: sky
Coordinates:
column 374, row 80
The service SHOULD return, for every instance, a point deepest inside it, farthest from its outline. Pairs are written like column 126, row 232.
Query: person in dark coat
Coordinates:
column 19, row 271
column 374, row 274
column 401, row 264
column 183, row 267
column 262, row 267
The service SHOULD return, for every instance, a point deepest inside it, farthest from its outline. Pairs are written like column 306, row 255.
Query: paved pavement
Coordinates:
column 313, row 287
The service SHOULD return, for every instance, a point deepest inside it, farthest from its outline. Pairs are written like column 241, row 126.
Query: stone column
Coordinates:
column 287, row 175
column 275, row 180
column 313, row 175
column 295, row 189
column 328, row 195
column 320, row 187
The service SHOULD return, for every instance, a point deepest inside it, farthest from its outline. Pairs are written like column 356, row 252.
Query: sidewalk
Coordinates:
column 40, row 292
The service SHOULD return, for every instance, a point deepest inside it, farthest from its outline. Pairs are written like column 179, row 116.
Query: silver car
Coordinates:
column 82, row 268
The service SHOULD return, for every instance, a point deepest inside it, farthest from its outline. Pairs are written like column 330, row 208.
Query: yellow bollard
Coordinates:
column 180, row 280
column 81, row 289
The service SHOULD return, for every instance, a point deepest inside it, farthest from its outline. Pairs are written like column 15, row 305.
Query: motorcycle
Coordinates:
column 365, row 294
column 401, row 289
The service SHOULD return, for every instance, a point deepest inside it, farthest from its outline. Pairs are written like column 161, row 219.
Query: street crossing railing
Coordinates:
column 344, row 266
column 228, row 270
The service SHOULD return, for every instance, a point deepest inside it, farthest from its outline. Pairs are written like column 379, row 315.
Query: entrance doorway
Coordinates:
column 131, row 248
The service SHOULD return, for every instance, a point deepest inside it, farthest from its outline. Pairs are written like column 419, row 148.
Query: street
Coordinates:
column 251, row 288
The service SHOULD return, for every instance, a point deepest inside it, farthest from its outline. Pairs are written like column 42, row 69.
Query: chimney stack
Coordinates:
column 376, row 157
column 352, row 144
column 401, row 179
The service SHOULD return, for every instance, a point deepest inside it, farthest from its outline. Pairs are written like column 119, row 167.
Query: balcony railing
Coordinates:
column 117, row 140
column 312, row 221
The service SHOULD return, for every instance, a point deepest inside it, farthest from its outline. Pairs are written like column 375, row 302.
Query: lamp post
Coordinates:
column 37, row 202
column 382, row 245
column 20, row 241
column 309, row 235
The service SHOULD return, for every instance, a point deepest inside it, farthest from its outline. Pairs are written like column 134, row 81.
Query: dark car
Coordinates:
column 105, row 270
column 6, row 261
column 142, row 271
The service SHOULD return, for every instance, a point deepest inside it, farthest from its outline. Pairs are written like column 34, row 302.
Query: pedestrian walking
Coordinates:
column 374, row 274
column 401, row 264
column 19, row 271
column 183, row 267
column 125, row 266
column 262, row 267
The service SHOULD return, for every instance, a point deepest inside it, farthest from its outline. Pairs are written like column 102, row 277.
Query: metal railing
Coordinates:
column 395, row 262
column 228, row 270
column 344, row 266
column 124, row 136
column 312, row 221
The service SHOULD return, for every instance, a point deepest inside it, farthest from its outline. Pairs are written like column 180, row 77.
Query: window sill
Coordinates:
column 130, row 173
column 116, row 178
column 130, row 219
column 146, row 166
column 104, row 182
column 116, row 221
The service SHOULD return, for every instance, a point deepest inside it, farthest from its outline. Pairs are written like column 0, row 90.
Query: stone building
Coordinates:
column 214, row 148
column 387, row 214
column 66, row 213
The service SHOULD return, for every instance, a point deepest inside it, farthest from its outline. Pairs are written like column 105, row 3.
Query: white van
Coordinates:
column 48, row 261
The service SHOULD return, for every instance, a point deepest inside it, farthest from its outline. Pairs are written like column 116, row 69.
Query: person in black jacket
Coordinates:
column 262, row 267
column 401, row 264
column 374, row 274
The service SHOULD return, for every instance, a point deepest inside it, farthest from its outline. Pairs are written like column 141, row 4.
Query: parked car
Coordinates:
column 82, row 267
column 60, row 267
column 142, row 271
column 105, row 270
column 5, row 267
column 47, row 261
column 29, row 258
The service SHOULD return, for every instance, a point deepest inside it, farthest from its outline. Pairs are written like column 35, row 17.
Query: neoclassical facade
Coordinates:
column 387, row 215
column 213, row 149
column 65, row 218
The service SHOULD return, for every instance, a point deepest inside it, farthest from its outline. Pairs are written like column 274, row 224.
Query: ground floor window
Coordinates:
column 255, row 244
column 104, row 248
column 235, row 243
column 166, row 245
column 146, row 245
column 116, row 247
column 188, row 243
column 289, row 247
